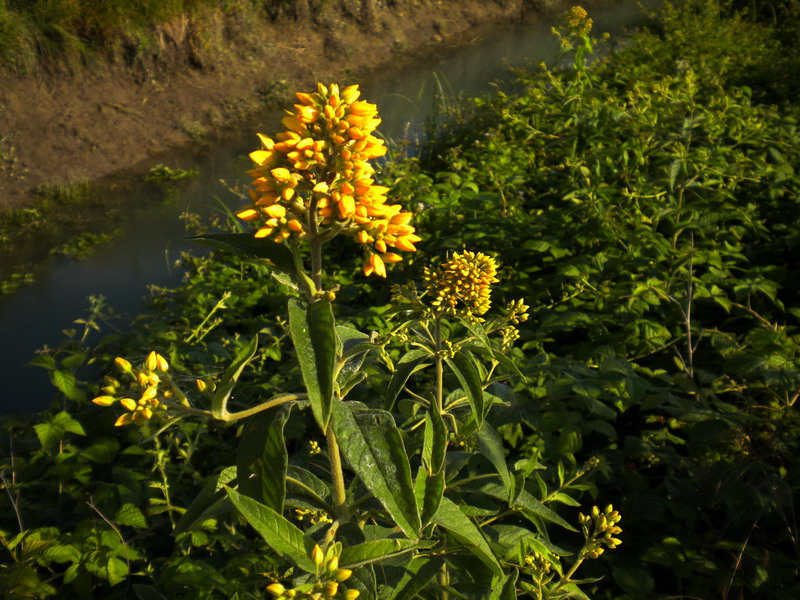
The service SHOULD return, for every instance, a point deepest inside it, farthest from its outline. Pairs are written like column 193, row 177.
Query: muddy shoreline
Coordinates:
column 65, row 126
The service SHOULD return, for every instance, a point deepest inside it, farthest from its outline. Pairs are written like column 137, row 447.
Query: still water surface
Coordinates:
column 122, row 270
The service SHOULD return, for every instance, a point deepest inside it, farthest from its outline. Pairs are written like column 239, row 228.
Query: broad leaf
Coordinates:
column 248, row 245
column 429, row 490
column 367, row 552
column 465, row 369
column 372, row 445
column 262, row 459
column 434, row 445
column 314, row 336
column 281, row 535
column 492, row 448
column 464, row 530
column 418, row 574
column 527, row 503
column 410, row 363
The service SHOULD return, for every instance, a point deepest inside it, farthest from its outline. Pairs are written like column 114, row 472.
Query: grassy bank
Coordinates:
column 643, row 205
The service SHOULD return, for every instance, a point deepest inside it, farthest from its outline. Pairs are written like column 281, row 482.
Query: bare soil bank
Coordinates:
column 68, row 125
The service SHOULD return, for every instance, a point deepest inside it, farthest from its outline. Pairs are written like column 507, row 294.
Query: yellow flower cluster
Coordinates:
column 605, row 527
column 316, row 175
column 329, row 576
column 462, row 284
column 578, row 20
column 146, row 384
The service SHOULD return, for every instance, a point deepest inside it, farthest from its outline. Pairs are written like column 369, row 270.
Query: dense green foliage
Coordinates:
column 645, row 206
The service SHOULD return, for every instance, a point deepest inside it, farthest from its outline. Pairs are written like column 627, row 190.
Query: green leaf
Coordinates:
column 67, row 423
column 492, row 448
column 65, row 382
column 147, row 592
column 229, row 378
column 418, row 574
column 305, row 484
column 247, row 245
column 373, row 447
column 429, row 490
column 62, row 553
column 434, row 444
column 368, row 552
column 410, row 363
column 281, row 535
column 206, row 501
column 314, row 336
column 262, row 459
column 505, row 587
column 130, row 515
column 465, row 369
column 526, row 502
column 464, row 530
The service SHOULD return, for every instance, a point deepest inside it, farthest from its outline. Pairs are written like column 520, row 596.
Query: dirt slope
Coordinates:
column 67, row 125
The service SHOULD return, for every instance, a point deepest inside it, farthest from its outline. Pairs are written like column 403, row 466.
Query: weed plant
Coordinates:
column 650, row 225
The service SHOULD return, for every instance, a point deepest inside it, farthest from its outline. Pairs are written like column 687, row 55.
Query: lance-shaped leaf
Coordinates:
column 207, row 501
column 372, row 445
column 262, row 459
column 434, row 442
column 246, row 244
column 492, row 448
column 410, row 363
column 374, row 551
column 314, row 335
column 527, row 503
column 465, row 369
column 231, row 375
column 429, row 490
column 465, row 531
column 281, row 535
column 418, row 574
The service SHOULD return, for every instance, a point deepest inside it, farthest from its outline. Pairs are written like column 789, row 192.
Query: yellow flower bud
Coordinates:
column 330, row 589
column 317, row 555
column 351, row 594
column 104, row 400
column 128, row 403
column 333, row 565
column 123, row 365
column 201, row 385
column 276, row 589
column 343, row 575
column 151, row 363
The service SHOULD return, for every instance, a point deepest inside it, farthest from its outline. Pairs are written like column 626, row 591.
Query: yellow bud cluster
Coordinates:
column 316, row 174
column 517, row 311
column 146, row 383
column 578, row 20
column 605, row 527
column 329, row 577
column 462, row 284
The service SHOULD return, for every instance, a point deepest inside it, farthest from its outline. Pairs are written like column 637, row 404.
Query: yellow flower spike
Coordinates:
column 317, row 555
column 276, row 589
column 104, row 400
column 123, row 365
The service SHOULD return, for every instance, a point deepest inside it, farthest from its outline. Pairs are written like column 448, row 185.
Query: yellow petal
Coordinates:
column 104, row 400
column 125, row 419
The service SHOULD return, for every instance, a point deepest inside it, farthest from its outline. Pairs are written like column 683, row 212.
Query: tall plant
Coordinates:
column 418, row 499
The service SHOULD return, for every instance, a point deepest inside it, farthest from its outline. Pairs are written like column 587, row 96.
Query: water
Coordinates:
column 122, row 270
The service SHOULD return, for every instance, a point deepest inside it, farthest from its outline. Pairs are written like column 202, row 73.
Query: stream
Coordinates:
column 145, row 253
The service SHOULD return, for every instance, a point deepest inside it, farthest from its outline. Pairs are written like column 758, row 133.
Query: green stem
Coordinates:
column 243, row 414
column 339, row 497
column 437, row 332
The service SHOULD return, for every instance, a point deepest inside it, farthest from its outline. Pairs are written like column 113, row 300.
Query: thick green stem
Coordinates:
column 437, row 332
column 339, row 497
